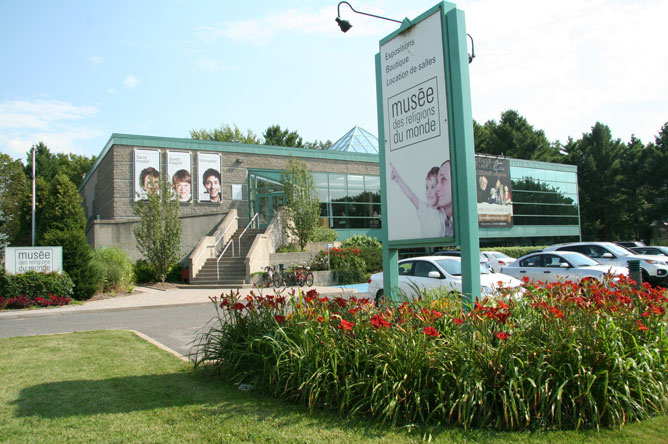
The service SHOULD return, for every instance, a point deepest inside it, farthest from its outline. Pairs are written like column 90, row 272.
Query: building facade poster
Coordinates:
column 417, row 147
column 209, row 178
column 494, row 192
column 179, row 175
column 146, row 173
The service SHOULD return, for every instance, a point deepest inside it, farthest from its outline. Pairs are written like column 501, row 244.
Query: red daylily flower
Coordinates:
column 431, row 331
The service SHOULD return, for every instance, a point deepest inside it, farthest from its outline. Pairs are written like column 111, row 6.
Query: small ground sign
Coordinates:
column 42, row 259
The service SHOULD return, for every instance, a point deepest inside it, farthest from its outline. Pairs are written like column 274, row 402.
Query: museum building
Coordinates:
column 222, row 187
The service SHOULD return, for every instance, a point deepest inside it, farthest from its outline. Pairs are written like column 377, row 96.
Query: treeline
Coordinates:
column 60, row 218
column 622, row 185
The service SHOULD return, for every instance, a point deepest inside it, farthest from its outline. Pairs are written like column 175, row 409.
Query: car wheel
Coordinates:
column 379, row 299
column 645, row 276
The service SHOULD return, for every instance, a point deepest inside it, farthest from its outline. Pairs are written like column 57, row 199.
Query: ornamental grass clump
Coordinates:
column 562, row 356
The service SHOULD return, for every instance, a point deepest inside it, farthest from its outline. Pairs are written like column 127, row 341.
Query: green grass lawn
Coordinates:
column 113, row 387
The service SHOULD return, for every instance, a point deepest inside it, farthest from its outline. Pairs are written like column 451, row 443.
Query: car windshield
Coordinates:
column 580, row 260
column 454, row 267
column 620, row 251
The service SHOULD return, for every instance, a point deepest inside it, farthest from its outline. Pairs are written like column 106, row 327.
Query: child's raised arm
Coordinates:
column 404, row 187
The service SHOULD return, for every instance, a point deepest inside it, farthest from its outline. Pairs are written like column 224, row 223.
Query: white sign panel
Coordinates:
column 147, row 172
column 417, row 146
column 179, row 175
column 236, row 191
column 210, row 183
column 42, row 259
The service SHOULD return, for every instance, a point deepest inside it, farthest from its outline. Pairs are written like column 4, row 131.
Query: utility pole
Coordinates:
column 33, row 195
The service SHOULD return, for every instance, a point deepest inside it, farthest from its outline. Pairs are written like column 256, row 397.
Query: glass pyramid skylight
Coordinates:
column 357, row 140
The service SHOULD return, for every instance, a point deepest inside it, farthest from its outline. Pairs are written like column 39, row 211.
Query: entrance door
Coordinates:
column 266, row 205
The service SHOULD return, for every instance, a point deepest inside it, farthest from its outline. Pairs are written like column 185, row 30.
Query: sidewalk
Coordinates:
column 151, row 297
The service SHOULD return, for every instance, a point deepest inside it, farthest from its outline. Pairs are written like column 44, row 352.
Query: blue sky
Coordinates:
column 74, row 72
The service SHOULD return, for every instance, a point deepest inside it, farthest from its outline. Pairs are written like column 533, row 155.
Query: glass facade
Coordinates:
column 544, row 198
column 347, row 201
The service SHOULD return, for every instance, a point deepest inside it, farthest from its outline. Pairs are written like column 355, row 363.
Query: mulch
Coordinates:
column 155, row 285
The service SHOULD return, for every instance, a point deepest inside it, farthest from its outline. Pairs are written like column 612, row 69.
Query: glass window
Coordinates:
column 372, row 183
column 337, row 181
column 423, row 268
column 320, row 180
column 406, row 268
column 531, row 261
column 355, row 183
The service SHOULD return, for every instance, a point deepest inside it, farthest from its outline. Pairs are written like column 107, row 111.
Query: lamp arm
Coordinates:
column 338, row 13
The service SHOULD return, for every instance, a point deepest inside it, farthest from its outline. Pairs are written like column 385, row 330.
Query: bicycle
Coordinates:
column 272, row 277
column 304, row 276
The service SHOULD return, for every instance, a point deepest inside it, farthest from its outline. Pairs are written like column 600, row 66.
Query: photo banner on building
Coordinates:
column 417, row 145
column 146, row 173
column 179, row 175
column 209, row 184
column 494, row 192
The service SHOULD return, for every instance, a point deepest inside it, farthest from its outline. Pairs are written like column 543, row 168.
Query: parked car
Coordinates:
column 631, row 244
column 457, row 253
column 561, row 266
column 656, row 250
column 654, row 268
column 497, row 260
column 426, row 272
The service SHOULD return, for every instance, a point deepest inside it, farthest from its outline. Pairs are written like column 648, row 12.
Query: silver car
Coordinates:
column 426, row 272
column 654, row 268
column 561, row 266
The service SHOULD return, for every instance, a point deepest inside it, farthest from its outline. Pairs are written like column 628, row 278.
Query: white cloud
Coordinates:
column 566, row 65
column 130, row 81
column 214, row 65
column 40, row 114
column 24, row 123
column 261, row 31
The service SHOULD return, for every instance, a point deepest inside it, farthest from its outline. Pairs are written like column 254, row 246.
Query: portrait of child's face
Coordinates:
column 431, row 186
column 182, row 189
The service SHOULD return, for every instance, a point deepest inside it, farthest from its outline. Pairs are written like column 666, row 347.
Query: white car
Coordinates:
column 427, row 272
column 561, row 266
column 654, row 268
column 497, row 260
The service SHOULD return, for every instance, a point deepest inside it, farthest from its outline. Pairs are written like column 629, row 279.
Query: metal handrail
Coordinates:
column 244, row 232
column 219, row 239
column 221, row 256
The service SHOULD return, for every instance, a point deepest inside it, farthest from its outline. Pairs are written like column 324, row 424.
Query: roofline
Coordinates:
column 223, row 147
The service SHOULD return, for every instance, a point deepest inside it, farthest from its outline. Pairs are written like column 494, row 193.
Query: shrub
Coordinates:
column 361, row 241
column 348, row 265
column 324, row 234
column 144, row 272
column 514, row 251
column 564, row 355
column 22, row 301
column 290, row 248
column 33, row 285
column 116, row 269
column 76, row 260
column 319, row 262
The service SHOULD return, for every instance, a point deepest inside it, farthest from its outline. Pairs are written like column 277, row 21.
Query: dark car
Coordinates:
column 631, row 244
column 655, row 249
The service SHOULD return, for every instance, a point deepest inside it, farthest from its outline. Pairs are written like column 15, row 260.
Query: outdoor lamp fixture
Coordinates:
column 345, row 24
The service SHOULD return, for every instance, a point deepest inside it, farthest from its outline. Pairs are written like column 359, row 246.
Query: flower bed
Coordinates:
column 565, row 355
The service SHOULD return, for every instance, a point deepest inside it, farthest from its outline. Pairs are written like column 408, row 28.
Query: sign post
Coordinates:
column 426, row 143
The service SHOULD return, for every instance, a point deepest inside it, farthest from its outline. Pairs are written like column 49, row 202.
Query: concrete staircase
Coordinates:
column 232, row 269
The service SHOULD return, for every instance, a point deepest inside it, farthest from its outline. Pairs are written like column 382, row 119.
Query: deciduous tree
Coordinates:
column 159, row 232
column 302, row 207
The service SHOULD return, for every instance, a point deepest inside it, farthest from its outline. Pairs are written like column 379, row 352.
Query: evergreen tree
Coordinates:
column 14, row 196
column 159, row 231
column 597, row 157
column 513, row 137
column 277, row 137
column 301, row 207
